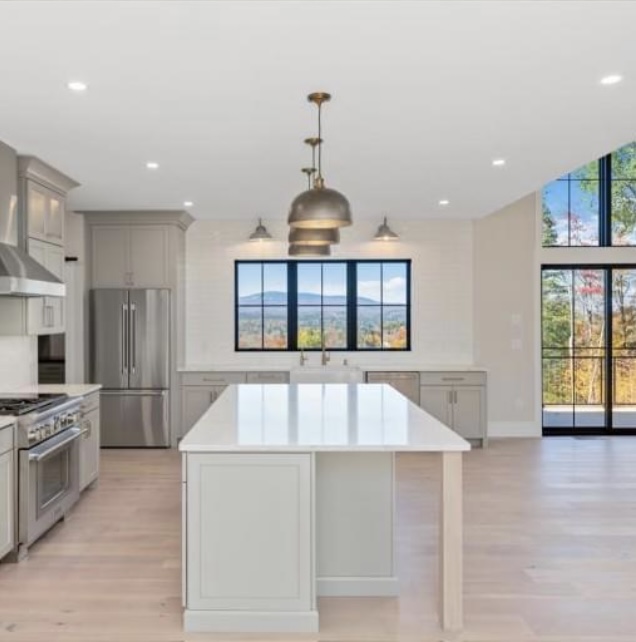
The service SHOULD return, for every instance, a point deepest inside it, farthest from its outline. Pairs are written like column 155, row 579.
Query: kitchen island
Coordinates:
column 288, row 495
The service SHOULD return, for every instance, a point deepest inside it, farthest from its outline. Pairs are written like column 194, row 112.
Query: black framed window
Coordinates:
column 262, row 306
column 594, row 205
column 588, row 338
column 299, row 305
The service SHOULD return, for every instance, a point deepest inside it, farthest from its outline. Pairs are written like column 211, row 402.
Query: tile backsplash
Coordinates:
column 18, row 362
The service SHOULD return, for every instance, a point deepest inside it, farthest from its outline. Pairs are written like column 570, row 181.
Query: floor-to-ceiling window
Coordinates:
column 588, row 307
column 588, row 340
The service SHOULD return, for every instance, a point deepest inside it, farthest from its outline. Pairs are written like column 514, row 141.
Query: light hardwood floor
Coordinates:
column 550, row 553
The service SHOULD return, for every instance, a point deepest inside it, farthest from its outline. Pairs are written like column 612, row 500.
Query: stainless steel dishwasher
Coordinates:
column 408, row 383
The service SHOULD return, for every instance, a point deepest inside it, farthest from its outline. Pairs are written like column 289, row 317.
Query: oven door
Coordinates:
column 49, row 483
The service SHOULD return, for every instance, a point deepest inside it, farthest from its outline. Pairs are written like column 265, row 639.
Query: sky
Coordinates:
column 370, row 278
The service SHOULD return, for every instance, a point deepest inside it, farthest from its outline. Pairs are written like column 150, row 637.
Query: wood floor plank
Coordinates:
column 549, row 555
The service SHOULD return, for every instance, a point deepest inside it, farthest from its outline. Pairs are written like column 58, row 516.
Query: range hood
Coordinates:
column 20, row 274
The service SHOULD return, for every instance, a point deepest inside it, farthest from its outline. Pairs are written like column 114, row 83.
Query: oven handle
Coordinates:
column 55, row 443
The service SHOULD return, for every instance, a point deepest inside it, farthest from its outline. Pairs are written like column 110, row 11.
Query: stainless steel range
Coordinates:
column 48, row 432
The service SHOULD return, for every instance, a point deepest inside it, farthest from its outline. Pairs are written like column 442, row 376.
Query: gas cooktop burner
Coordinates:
column 28, row 403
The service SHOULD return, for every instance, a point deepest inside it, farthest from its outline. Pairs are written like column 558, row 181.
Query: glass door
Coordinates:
column 574, row 349
column 623, row 349
column 589, row 349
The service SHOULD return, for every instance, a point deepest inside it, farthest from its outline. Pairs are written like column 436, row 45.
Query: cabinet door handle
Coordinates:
column 88, row 426
column 212, row 397
column 452, row 378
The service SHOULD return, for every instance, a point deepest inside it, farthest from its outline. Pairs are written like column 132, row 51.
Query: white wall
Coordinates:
column 442, row 308
column 507, row 331
column 18, row 362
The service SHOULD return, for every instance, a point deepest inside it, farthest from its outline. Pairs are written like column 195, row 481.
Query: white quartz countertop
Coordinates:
column 6, row 420
column 387, row 367
column 70, row 389
column 318, row 417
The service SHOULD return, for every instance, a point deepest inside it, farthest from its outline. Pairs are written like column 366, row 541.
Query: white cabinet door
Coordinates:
column 149, row 256
column 55, row 263
column 37, row 204
column 45, row 213
column 467, row 412
column 55, row 219
column 248, row 529
column 437, row 401
column 38, row 314
column 89, row 449
column 110, row 256
column 46, row 314
column 195, row 400
column 6, row 503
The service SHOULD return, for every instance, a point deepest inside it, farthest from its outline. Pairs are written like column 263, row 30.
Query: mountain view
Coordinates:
column 372, row 319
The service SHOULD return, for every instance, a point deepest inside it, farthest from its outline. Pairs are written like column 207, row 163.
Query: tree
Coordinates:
column 549, row 227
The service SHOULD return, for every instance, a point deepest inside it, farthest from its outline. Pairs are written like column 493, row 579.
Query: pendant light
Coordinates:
column 301, row 249
column 319, row 207
column 305, row 236
column 385, row 233
column 260, row 233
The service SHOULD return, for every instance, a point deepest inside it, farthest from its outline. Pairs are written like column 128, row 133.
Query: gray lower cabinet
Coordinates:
column 7, row 499
column 90, row 443
column 267, row 377
column 408, row 383
column 199, row 390
column 457, row 399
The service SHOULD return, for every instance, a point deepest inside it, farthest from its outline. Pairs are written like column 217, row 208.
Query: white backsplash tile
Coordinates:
column 18, row 362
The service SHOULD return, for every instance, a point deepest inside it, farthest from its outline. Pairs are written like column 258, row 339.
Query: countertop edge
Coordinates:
column 6, row 421
column 363, row 367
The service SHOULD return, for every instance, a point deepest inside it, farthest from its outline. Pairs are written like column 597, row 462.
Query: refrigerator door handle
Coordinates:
column 133, row 338
column 124, row 339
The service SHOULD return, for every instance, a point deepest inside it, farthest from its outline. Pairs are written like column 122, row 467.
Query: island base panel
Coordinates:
column 250, row 622
column 249, row 542
column 355, row 508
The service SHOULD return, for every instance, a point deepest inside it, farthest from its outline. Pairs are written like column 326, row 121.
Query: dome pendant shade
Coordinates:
column 298, row 249
column 325, row 236
column 260, row 233
column 385, row 233
column 320, row 208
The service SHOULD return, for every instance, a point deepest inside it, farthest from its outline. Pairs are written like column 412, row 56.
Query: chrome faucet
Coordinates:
column 303, row 358
column 326, row 357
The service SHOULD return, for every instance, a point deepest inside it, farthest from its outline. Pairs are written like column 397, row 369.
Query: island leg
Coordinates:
column 451, row 543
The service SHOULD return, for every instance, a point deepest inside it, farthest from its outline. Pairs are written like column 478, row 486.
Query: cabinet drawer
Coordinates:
column 389, row 376
column 6, row 439
column 91, row 402
column 212, row 378
column 453, row 378
column 267, row 377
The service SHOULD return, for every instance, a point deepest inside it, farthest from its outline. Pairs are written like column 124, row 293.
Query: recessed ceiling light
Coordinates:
column 499, row 162
column 77, row 85
column 444, row 202
column 188, row 203
column 152, row 165
column 612, row 79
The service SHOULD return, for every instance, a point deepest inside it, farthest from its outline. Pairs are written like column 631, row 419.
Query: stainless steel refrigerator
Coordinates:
column 130, row 357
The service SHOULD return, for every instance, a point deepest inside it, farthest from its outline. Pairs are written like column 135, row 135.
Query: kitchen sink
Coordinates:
column 326, row 374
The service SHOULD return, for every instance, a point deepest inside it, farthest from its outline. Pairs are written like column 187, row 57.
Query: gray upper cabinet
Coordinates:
column 45, row 213
column 130, row 256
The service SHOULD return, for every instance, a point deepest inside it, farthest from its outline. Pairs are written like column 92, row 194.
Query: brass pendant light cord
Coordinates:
column 319, row 145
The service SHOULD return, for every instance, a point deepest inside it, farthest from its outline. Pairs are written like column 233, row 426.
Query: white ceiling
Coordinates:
column 426, row 94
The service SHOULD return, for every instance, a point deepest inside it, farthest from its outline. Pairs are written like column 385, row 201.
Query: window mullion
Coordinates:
column 605, row 198
column 292, row 305
column 352, row 308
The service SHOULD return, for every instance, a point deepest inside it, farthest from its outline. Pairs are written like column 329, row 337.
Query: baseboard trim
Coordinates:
column 250, row 621
column 514, row 429
column 357, row 587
